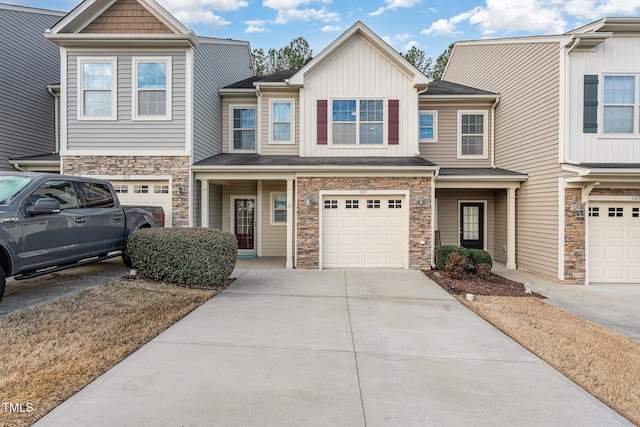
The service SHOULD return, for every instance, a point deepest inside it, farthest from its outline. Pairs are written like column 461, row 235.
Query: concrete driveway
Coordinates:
column 332, row 347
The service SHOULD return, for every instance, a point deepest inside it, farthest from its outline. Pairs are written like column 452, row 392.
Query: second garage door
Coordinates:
column 614, row 242
column 150, row 193
column 363, row 231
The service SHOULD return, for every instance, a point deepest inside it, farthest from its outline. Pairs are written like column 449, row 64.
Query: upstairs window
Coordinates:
column 152, row 88
column 472, row 134
column 97, row 89
column 357, row 122
column 427, row 121
column 620, row 104
column 282, row 122
column 244, row 129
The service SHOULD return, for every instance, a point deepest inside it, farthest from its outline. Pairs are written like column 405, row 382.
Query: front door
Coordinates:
column 472, row 225
column 244, row 220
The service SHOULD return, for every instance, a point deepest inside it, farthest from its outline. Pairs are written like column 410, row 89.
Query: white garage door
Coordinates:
column 151, row 193
column 614, row 242
column 363, row 231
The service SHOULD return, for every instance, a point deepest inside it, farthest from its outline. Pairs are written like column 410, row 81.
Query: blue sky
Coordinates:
column 429, row 25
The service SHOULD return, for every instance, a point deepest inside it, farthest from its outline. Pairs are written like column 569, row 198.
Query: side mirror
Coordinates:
column 44, row 206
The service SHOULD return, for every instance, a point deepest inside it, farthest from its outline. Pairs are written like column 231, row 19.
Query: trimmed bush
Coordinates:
column 456, row 265
column 478, row 256
column 186, row 256
column 442, row 253
column 483, row 270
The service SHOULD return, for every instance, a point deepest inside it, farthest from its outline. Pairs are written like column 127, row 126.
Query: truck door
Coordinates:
column 56, row 238
column 106, row 220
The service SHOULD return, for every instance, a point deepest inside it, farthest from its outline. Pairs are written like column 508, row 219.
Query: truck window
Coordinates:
column 96, row 195
column 62, row 191
column 10, row 185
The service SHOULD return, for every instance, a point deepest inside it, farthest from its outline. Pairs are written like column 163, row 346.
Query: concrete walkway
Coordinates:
column 332, row 348
column 614, row 307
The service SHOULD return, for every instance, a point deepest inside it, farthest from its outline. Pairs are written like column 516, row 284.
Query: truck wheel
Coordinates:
column 126, row 260
column 3, row 281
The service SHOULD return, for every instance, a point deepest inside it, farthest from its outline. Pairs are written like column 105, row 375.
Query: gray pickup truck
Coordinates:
column 53, row 222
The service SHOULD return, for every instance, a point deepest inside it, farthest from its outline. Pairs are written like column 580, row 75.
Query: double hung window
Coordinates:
column 472, row 134
column 152, row 88
column 282, row 112
column 97, row 89
column 620, row 104
column 244, row 129
column 357, row 122
column 427, row 121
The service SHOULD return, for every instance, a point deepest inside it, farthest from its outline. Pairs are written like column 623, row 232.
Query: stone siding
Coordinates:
column 176, row 166
column 308, row 229
column 574, row 238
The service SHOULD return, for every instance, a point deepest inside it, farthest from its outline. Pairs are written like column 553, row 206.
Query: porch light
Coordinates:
column 421, row 201
column 308, row 201
column 180, row 190
column 577, row 210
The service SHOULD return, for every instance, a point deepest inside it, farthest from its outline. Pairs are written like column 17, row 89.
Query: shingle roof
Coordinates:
column 230, row 159
column 279, row 76
column 496, row 172
column 440, row 87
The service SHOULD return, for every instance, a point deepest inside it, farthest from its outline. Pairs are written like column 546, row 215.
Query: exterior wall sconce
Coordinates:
column 421, row 201
column 577, row 210
column 180, row 190
column 308, row 201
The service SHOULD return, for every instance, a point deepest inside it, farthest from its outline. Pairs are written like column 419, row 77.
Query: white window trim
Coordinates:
column 272, row 196
column 636, row 107
column 292, row 122
column 114, row 87
column 485, row 134
column 435, row 126
column 135, row 89
column 357, row 145
column 236, row 107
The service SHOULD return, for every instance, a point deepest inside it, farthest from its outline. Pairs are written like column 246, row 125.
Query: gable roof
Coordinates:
column 251, row 82
column 441, row 88
column 359, row 29
column 70, row 30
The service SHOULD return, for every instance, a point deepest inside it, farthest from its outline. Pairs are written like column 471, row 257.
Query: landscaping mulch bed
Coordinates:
column 472, row 284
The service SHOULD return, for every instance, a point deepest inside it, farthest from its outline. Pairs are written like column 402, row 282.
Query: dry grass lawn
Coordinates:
column 604, row 363
column 51, row 351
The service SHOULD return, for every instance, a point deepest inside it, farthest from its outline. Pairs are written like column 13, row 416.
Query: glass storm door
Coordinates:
column 472, row 225
column 244, row 215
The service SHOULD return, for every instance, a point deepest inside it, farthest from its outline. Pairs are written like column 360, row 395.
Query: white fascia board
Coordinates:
column 597, row 173
column 123, row 40
column 426, row 97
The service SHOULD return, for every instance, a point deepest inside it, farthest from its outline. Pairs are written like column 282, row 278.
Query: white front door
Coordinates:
column 363, row 231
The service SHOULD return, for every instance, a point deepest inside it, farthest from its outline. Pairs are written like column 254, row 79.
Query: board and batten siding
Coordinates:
column 359, row 70
column 29, row 63
column 124, row 134
column 444, row 152
column 527, row 77
column 217, row 63
column 611, row 57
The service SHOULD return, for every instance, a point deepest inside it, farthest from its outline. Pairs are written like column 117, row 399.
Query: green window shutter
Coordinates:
column 590, row 117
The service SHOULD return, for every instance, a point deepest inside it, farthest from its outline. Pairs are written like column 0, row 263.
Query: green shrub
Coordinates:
column 478, row 256
column 456, row 265
column 442, row 253
column 187, row 256
column 483, row 270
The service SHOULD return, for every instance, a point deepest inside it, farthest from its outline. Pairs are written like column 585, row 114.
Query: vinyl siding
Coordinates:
column 526, row 75
column 449, row 214
column 274, row 236
column 610, row 57
column 124, row 134
column 27, row 119
column 212, row 71
column 359, row 70
column 444, row 151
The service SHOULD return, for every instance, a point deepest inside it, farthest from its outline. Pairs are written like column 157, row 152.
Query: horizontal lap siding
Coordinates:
column 227, row 119
column 30, row 63
column 279, row 149
column 126, row 134
column 212, row 71
column 274, row 237
column 526, row 76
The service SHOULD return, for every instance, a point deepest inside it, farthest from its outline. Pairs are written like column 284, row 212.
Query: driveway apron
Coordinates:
column 332, row 347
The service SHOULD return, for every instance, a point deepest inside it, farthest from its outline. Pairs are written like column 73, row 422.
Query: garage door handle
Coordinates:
column 81, row 220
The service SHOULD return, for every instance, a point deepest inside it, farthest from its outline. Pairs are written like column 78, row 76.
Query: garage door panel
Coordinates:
column 150, row 193
column 370, row 236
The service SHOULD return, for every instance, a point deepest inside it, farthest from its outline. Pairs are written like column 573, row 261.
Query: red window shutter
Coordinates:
column 322, row 122
column 394, row 122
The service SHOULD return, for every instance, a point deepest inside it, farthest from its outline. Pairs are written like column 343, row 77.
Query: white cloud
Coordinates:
column 205, row 17
column 407, row 47
column 202, row 11
column 447, row 27
column 394, row 4
column 595, row 9
column 256, row 26
column 332, row 28
column 288, row 15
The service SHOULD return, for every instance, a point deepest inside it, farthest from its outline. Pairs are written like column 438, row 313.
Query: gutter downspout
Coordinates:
column 434, row 214
column 56, row 104
column 493, row 133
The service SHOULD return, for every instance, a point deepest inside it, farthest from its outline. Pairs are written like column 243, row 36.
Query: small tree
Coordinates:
column 292, row 57
column 419, row 59
column 441, row 63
